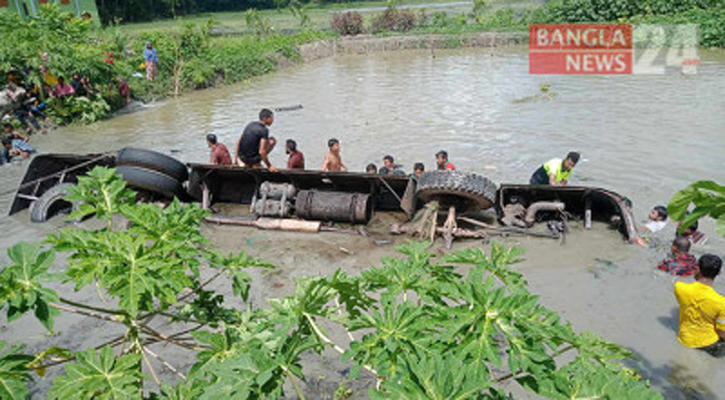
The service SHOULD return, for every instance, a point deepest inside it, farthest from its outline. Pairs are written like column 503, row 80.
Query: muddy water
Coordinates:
column 642, row 136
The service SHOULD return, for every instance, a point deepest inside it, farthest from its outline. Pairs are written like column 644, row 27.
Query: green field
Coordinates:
column 320, row 16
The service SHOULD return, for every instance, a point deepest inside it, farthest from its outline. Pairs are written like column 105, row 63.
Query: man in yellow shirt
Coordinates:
column 702, row 309
column 555, row 172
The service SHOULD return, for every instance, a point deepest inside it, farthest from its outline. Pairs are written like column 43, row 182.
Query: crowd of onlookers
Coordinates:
column 28, row 113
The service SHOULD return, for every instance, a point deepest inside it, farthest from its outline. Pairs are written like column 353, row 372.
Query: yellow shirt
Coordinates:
column 702, row 311
column 554, row 166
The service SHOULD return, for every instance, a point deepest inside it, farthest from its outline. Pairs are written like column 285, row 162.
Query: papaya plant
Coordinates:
column 708, row 198
column 461, row 326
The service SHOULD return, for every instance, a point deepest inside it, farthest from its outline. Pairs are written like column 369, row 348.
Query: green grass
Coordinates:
column 320, row 16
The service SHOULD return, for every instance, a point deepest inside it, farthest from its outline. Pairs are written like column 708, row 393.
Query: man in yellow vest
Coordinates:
column 555, row 172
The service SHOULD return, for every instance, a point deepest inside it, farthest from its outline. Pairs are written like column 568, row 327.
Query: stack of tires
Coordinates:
column 152, row 172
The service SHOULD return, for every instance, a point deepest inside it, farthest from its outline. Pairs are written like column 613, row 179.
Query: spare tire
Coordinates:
column 152, row 181
column 51, row 203
column 463, row 190
column 153, row 160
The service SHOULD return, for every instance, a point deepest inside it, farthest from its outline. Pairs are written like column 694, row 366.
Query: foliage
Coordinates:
column 416, row 324
column 708, row 198
column 21, row 284
column 258, row 23
column 393, row 19
column 480, row 7
column 100, row 377
column 14, row 373
column 710, row 22
column 300, row 11
column 348, row 23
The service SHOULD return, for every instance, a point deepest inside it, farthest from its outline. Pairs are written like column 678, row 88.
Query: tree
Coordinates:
column 416, row 325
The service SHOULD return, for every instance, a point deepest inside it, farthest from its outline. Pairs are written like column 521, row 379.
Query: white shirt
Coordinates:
column 655, row 226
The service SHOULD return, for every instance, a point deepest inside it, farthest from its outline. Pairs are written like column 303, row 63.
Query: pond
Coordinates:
column 642, row 136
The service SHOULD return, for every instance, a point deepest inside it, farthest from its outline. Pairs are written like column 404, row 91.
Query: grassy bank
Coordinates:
column 223, row 48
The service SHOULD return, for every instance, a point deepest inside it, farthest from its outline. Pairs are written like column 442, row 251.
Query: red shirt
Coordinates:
column 296, row 160
column 448, row 167
column 220, row 155
column 682, row 265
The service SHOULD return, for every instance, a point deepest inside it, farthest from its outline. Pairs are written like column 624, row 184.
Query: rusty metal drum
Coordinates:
column 356, row 208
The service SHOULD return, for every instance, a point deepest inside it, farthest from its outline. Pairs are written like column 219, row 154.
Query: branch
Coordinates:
column 86, row 313
column 92, row 308
column 294, row 382
column 150, row 331
column 148, row 364
column 329, row 342
column 113, row 343
column 166, row 364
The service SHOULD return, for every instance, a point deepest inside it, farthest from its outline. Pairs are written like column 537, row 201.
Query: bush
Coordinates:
column 440, row 19
column 393, row 20
column 348, row 24
column 574, row 11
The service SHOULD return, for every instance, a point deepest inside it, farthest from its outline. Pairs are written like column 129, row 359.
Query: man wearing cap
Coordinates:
column 555, row 172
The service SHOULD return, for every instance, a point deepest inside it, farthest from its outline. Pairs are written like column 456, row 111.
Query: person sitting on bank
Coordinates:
column 680, row 262
column 9, row 131
column 62, row 89
column 657, row 220
column 16, row 147
column 442, row 161
column 333, row 160
column 219, row 152
column 296, row 158
column 255, row 144
column 418, row 169
column 555, row 172
column 696, row 237
column 702, row 309
column 371, row 169
column 391, row 167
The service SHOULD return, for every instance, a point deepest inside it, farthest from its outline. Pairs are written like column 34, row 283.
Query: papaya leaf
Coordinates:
column 100, row 376
column 14, row 372
column 102, row 192
column 21, row 284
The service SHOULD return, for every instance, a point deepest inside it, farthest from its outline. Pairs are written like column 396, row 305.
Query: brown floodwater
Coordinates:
column 642, row 136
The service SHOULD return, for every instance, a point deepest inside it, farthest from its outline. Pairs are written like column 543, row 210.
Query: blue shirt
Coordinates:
column 150, row 55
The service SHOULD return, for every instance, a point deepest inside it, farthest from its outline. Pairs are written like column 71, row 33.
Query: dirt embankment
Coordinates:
column 366, row 44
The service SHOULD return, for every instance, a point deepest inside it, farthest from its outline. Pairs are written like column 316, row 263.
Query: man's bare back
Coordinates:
column 333, row 162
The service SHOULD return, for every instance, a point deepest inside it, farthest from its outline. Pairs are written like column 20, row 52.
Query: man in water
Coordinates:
column 442, row 161
column 333, row 161
column 371, row 169
column 681, row 263
column 555, row 172
column 696, row 237
column 702, row 309
column 296, row 158
column 391, row 167
column 254, row 145
column 219, row 152
column 657, row 220
column 418, row 170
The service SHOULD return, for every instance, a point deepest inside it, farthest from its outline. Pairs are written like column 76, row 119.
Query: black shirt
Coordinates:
column 251, row 137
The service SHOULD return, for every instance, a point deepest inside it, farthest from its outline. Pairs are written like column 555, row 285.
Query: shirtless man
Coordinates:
column 333, row 162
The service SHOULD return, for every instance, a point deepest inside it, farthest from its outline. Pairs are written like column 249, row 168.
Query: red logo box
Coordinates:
column 580, row 49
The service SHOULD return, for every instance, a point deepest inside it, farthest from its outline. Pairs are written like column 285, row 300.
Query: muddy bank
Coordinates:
column 368, row 44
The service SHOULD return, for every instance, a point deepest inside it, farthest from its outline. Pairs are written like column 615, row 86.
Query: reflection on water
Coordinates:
column 642, row 136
